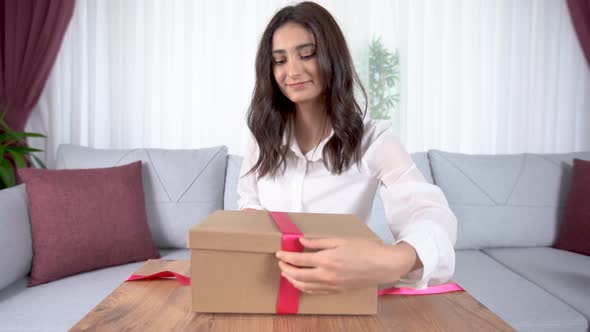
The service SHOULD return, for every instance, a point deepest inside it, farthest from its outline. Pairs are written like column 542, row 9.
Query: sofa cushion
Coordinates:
column 181, row 187
column 59, row 305
column 504, row 200
column 83, row 220
column 574, row 232
column 564, row 274
column 16, row 247
column 524, row 305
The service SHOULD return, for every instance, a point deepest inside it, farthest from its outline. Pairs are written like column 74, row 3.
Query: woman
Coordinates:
column 312, row 152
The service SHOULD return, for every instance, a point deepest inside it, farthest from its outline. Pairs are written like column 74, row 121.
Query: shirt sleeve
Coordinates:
column 417, row 212
column 248, row 184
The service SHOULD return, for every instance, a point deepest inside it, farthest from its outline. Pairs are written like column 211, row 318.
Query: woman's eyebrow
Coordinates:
column 304, row 46
column 297, row 48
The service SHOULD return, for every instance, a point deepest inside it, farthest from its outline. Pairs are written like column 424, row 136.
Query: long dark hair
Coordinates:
column 270, row 111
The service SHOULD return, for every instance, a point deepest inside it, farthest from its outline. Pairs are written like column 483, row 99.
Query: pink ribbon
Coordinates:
column 288, row 296
column 182, row 279
column 186, row 281
column 438, row 289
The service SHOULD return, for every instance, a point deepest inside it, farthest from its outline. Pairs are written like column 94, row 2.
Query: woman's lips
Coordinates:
column 297, row 85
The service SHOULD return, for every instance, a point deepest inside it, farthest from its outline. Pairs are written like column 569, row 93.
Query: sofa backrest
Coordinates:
column 376, row 222
column 504, row 200
column 499, row 200
column 181, row 187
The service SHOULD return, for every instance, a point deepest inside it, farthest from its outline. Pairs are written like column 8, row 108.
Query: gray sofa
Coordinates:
column 508, row 209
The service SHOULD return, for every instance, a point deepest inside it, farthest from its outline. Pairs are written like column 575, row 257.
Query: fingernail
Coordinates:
column 278, row 254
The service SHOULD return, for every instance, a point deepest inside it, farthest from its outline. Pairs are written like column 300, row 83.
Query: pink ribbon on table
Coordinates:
column 438, row 289
column 288, row 296
column 182, row 279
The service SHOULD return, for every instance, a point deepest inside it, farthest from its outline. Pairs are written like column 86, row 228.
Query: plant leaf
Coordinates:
column 7, row 173
column 21, row 136
column 19, row 161
column 2, row 121
column 27, row 134
column 3, row 137
column 23, row 149
column 38, row 161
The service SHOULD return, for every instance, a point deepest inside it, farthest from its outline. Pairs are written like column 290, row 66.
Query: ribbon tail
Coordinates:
column 439, row 289
column 182, row 279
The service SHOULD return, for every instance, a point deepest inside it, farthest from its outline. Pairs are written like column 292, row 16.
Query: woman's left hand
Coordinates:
column 342, row 264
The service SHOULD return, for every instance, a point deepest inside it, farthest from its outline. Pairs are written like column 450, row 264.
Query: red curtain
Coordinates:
column 580, row 13
column 31, row 32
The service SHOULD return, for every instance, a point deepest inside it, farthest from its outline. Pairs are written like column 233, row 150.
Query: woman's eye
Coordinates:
column 307, row 56
column 278, row 61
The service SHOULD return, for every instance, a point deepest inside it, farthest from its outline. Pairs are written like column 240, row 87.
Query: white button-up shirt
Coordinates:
column 417, row 212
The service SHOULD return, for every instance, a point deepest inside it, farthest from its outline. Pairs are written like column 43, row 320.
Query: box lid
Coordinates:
column 255, row 231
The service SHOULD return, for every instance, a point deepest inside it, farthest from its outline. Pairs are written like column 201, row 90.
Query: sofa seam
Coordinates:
column 125, row 155
column 541, row 156
column 157, row 174
column 517, row 180
column 483, row 250
column 468, row 178
column 201, row 172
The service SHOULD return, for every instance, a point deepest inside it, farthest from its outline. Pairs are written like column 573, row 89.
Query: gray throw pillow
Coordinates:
column 513, row 200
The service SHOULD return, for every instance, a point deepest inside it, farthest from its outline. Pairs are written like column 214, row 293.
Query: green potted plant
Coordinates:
column 384, row 74
column 15, row 152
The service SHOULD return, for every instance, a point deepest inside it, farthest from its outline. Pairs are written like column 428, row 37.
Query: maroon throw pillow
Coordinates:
column 85, row 219
column 574, row 233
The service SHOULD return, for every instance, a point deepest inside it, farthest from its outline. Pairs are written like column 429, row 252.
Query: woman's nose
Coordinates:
column 294, row 68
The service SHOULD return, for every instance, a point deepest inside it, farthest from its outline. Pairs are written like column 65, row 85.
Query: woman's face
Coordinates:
column 295, row 63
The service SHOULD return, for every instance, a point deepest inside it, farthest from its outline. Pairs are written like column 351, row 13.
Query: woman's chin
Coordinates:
column 298, row 99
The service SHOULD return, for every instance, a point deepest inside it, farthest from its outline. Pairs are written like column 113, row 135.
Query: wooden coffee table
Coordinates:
column 164, row 305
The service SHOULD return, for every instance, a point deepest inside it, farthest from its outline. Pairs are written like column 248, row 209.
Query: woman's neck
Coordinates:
column 312, row 124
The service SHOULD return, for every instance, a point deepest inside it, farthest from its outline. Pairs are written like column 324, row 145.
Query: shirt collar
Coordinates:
column 312, row 155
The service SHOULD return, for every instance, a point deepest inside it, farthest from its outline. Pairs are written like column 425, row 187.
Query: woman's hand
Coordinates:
column 342, row 264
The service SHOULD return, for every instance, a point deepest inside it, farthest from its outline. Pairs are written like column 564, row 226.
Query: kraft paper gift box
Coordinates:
column 234, row 268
